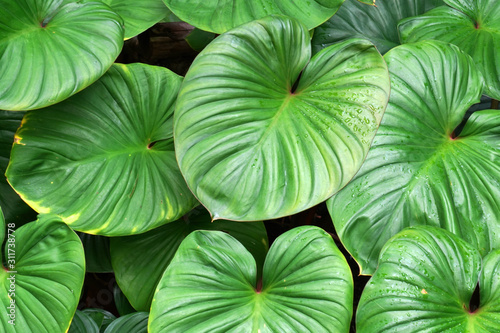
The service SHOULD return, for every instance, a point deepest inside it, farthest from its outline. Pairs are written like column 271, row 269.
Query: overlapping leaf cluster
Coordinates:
column 266, row 123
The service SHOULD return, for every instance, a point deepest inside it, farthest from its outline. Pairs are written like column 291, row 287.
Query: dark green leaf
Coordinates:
column 122, row 304
column 131, row 323
column 102, row 317
column 83, row 323
column 97, row 257
column 139, row 261
column 377, row 24
column 14, row 208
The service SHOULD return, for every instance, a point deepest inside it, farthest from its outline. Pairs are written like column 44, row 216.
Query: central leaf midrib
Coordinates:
column 97, row 158
column 425, row 165
column 271, row 126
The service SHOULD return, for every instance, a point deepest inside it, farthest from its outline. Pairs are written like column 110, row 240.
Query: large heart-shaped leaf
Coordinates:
column 41, row 285
column 134, row 271
column 377, row 24
column 14, row 208
column 211, row 286
column 219, row 16
column 424, row 283
column 473, row 25
column 138, row 15
column 51, row 49
column 103, row 160
column 418, row 170
column 254, row 141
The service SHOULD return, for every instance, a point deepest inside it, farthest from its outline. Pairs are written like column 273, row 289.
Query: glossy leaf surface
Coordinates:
column 418, row 171
column 83, row 323
column 222, row 15
column 48, row 277
column 103, row 161
column 473, row 25
column 254, row 141
column 138, row 15
column 14, row 208
column 378, row 24
column 132, row 323
column 134, row 271
column 424, row 283
column 102, row 317
column 211, row 286
column 51, row 49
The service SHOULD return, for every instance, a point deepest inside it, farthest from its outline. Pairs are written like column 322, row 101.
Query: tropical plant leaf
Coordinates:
column 103, row 161
column 102, row 317
column 473, row 25
column 377, row 24
column 211, row 286
column 51, row 49
column 121, row 302
column 199, row 39
column 83, row 323
column 488, row 312
column 132, row 323
column 134, row 271
column 43, row 278
column 419, row 171
column 254, row 141
column 220, row 16
column 14, row 208
column 97, row 256
column 138, row 15
column 424, row 283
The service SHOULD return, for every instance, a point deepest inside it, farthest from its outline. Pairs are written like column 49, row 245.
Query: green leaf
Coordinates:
column 83, row 323
column 255, row 142
column 418, row 171
column 131, row 323
column 488, row 313
column 102, row 317
column 134, row 271
column 51, row 49
column 15, row 209
column 48, row 277
column 220, row 16
column 138, row 15
column 103, row 161
column 424, row 283
column 122, row 304
column 199, row 39
column 377, row 24
column 97, row 256
column 211, row 286
column 472, row 25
